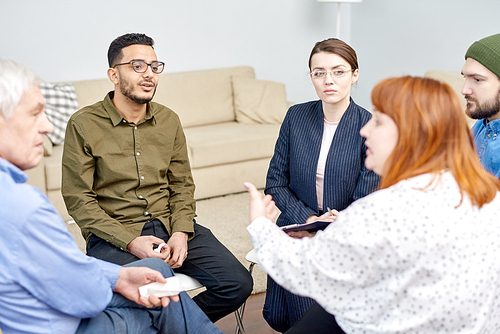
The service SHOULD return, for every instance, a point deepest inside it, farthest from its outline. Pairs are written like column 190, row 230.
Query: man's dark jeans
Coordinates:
column 228, row 283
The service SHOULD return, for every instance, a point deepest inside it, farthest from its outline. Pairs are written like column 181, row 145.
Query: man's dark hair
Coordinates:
column 115, row 48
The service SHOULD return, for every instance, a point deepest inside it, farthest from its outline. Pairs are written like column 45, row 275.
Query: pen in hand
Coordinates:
column 332, row 213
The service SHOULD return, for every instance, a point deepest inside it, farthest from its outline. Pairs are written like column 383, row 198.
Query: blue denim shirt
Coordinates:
column 487, row 140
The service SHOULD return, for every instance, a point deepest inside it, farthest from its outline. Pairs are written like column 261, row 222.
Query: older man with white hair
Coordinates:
column 47, row 285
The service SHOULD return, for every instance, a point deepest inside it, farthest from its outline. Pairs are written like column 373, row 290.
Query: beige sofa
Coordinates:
column 231, row 121
column 456, row 81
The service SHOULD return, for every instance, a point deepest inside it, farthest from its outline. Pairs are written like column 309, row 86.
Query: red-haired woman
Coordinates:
column 420, row 255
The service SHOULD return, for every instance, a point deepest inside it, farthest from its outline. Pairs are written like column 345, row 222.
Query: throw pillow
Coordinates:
column 61, row 102
column 259, row 101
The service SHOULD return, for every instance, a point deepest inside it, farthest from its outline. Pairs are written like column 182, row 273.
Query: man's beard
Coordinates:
column 127, row 88
column 483, row 110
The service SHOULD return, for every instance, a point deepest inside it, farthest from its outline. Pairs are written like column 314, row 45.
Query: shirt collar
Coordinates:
column 15, row 172
column 493, row 125
column 117, row 118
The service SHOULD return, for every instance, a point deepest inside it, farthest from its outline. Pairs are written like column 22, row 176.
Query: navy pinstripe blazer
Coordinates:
column 291, row 178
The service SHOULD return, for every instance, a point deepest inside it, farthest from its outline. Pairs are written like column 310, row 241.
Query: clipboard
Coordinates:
column 309, row 227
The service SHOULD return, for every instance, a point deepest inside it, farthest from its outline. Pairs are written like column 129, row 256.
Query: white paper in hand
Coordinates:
column 171, row 288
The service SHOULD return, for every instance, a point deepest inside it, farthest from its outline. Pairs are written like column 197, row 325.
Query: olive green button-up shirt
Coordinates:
column 116, row 175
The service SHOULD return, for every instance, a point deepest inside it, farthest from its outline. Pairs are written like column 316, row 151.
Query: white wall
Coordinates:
column 403, row 37
column 68, row 40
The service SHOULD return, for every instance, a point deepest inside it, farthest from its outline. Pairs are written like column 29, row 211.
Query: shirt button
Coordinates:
column 495, row 135
column 135, row 127
column 140, row 196
column 124, row 121
column 488, row 134
column 146, row 213
column 138, row 153
column 142, row 177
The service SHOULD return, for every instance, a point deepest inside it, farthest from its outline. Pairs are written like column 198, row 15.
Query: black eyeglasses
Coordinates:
column 140, row 66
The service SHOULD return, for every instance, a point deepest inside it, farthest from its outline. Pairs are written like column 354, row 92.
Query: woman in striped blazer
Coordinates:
column 318, row 162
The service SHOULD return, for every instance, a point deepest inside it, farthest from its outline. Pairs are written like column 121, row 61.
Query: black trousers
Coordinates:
column 316, row 320
column 227, row 281
column 282, row 309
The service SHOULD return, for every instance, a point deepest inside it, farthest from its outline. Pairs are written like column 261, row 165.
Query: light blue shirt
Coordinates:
column 46, row 283
column 487, row 140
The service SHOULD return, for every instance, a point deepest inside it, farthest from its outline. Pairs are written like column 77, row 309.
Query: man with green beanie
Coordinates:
column 482, row 92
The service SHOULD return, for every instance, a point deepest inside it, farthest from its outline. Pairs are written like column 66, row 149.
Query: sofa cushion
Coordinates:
column 47, row 146
column 223, row 143
column 36, row 177
column 92, row 91
column 61, row 102
column 259, row 101
column 53, row 173
column 200, row 97
column 228, row 179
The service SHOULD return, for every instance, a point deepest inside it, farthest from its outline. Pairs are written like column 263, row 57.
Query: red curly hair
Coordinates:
column 433, row 136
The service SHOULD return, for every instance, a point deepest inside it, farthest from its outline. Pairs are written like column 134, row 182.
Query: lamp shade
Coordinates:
column 338, row 11
column 339, row 0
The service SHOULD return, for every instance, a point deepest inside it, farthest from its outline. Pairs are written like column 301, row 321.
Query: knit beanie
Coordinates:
column 487, row 52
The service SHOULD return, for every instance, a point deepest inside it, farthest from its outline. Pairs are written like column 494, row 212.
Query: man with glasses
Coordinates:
column 127, row 182
column 47, row 285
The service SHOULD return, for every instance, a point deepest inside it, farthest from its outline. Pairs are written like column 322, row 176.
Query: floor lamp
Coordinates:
column 338, row 11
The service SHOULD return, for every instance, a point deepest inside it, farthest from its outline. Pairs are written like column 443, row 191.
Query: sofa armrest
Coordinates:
column 36, row 177
column 47, row 146
column 456, row 81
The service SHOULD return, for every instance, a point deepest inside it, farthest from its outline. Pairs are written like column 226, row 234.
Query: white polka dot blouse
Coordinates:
column 411, row 258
